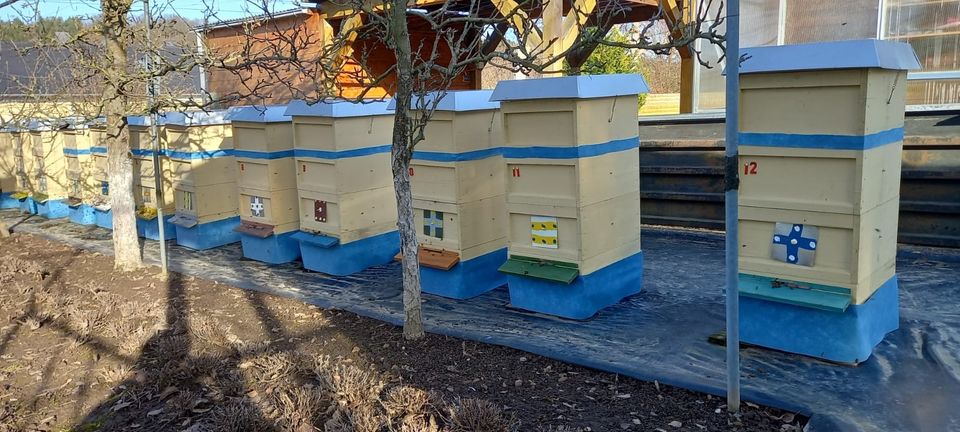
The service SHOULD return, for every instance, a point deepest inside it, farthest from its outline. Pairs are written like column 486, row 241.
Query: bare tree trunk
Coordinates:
column 401, row 154
column 126, row 245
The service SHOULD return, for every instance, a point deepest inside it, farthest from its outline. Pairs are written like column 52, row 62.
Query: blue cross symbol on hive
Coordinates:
column 795, row 243
column 433, row 223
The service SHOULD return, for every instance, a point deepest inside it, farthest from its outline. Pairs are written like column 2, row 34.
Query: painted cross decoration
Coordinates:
column 795, row 243
column 146, row 194
column 256, row 207
column 320, row 211
column 544, row 232
column 104, row 188
column 433, row 223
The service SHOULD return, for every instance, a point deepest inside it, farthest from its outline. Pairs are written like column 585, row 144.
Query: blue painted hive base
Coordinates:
column 324, row 254
column 53, row 209
column 28, row 206
column 582, row 298
column 104, row 218
column 275, row 249
column 209, row 235
column 468, row 278
column 83, row 214
column 844, row 337
column 151, row 230
column 8, row 202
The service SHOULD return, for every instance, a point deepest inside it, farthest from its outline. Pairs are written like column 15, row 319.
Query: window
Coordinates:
column 433, row 224
column 932, row 27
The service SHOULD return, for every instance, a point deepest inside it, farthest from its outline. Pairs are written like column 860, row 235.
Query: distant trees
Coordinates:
column 47, row 28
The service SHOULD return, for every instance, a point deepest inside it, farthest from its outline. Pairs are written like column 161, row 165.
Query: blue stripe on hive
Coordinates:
column 846, row 337
column 76, row 152
column 8, row 202
column 468, row 278
column 83, row 214
column 98, row 150
column 209, row 235
column 582, row 298
column 250, row 154
column 275, row 249
column 104, row 218
column 456, row 157
column 349, row 258
column 197, row 155
column 342, row 154
column 582, row 151
column 149, row 229
column 28, row 206
column 822, row 141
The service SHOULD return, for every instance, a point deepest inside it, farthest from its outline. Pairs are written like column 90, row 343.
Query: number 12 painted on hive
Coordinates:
column 750, row 168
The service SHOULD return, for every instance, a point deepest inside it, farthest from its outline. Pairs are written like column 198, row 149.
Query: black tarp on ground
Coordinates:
column 912, row 383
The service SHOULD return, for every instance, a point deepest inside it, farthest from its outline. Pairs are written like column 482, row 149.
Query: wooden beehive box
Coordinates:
column 573, row 191
column 199, row 147
column 8, row 162
column 266, row 171
column 81, row 182
column 821, row 150
column 595, row 200
column 141, row 147
column 98, row 154
column 343, row 169
column 458, row 186
column 48, row 159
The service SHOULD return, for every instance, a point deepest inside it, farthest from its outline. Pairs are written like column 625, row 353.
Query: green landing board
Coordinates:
column 554, row 271
column 823, row 297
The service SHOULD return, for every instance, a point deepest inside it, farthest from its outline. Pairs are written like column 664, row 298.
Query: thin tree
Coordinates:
column 461, row 37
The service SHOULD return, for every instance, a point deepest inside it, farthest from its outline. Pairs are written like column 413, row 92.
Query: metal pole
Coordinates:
column 155, row 141
column 730, row 203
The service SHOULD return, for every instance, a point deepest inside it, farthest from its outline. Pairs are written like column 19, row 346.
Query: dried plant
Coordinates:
column 115, row 373
column 476, row 415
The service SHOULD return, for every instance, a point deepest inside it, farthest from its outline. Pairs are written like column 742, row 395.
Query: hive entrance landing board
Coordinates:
column 255, row 229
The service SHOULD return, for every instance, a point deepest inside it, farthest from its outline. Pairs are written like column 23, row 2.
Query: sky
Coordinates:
column 190, row 9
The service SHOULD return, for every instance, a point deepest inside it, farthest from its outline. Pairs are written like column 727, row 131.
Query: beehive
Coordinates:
column 81, row 182
column 458, row 186
column 144, row 182
column 267, row 183
column 26, row 179
column 8, row 168
column 200, row 150
column 348, row 211
column 98, row 154
column 821, row 141
column 49, row 164
column 573, row 182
